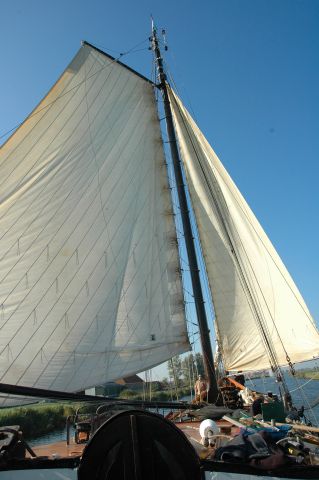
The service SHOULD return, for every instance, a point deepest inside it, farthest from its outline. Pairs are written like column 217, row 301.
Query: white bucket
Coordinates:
column 208, row 429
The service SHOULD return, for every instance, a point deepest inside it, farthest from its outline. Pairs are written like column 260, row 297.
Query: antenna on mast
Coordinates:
column 164, row 38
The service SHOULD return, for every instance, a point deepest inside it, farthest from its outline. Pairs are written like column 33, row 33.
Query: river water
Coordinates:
column 52, row 437
column 303, row 392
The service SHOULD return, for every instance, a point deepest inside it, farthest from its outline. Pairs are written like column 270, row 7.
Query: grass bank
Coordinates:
column 156, row 396
column 44, row 418
column 36, row 420
column 314, row 374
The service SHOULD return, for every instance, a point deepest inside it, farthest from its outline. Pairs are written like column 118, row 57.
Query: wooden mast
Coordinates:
column 213, row 392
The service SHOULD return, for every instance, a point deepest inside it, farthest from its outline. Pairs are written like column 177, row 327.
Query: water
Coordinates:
column 306, row 395
column 48, row 438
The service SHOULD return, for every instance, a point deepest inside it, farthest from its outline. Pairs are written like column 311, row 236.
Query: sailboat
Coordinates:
column 90, row 276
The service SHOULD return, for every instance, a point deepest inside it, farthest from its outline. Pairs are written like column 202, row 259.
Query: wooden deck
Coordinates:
column 59, row 450
column 190, row 429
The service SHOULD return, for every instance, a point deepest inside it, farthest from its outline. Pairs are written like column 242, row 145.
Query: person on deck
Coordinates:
column 200, row 389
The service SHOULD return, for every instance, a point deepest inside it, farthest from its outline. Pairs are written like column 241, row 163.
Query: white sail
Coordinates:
column 259, row 310
column 90, row 286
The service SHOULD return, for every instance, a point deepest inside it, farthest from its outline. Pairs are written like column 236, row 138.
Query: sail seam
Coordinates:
column 43, row 190
column 71, row 116
column 252, row 304
column 71, row 213
column 82, row 312
column 67, row 262
column 83, row 286
column 72, row 231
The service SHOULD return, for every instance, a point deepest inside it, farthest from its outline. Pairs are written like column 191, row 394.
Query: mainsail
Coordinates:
column 260, row 314
column 89, row 280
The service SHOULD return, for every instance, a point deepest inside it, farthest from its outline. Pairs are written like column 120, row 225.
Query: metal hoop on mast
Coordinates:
column 213, row 392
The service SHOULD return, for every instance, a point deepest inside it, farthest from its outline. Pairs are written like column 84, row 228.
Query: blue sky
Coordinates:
column 247, row 69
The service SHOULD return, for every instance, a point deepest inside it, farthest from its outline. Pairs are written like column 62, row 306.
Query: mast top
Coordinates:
column 161, row 75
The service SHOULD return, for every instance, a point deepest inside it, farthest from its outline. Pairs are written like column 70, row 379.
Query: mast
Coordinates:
column 208, row 358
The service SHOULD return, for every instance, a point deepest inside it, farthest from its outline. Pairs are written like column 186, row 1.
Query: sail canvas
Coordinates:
column 259, row 311
column 90, row 282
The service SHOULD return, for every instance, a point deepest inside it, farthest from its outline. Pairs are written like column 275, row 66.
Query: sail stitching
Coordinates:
column 251, row 302
column 59, row 253
column 58, row 230
column 63, row 126
column 267, row 263
column 74, row 90
column 265, row 326
column 61, row 270
column 271, row 256
column 83, row 286
column 48, row 203
column 92, row 202
column 142, row 316
column 124, row 270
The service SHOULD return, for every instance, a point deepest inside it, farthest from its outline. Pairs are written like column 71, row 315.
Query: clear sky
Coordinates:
column 247, row 69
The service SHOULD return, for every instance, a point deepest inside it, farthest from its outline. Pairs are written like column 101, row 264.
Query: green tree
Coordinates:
column 188, row 369
column 199, row 364
column 175, row 370
column 192, row 366
column 165, row 383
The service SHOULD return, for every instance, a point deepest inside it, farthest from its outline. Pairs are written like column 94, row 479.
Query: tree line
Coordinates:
column 184, row 370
